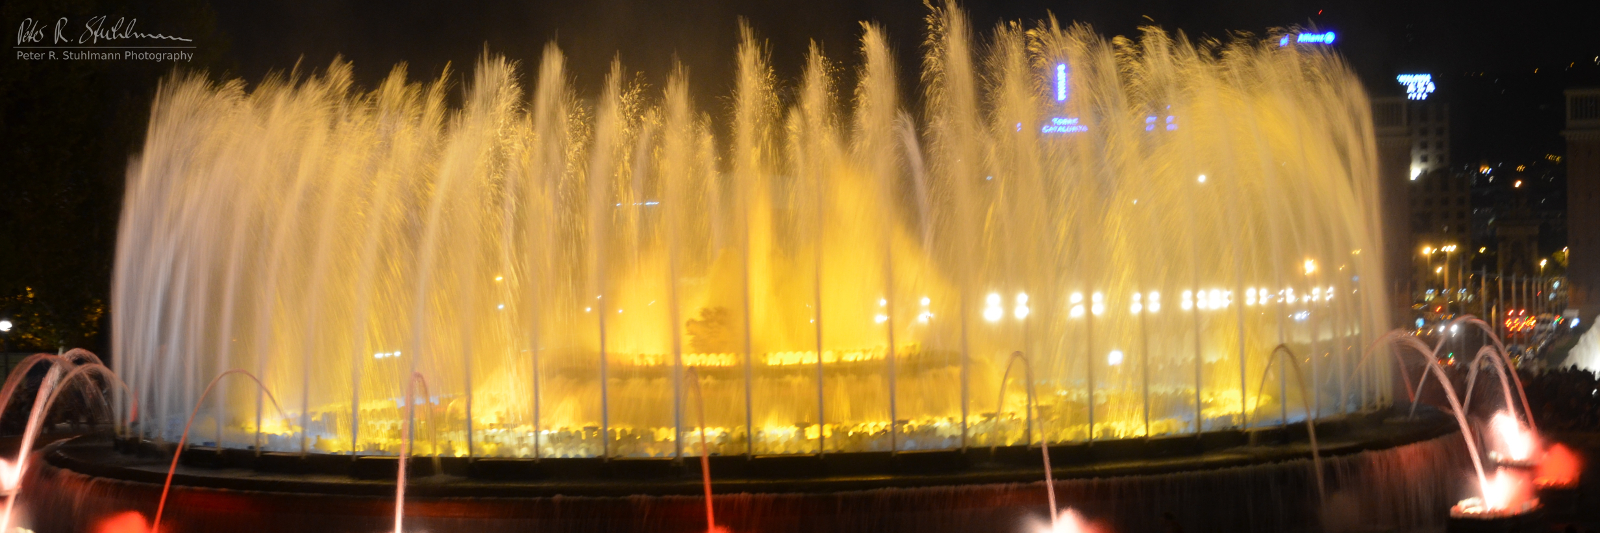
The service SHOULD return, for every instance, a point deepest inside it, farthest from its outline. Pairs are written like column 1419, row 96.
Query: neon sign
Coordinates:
column 1418, row 86
column 1070, row 124
column 1061, row 82
column 1062, row 124
column 1308, row 38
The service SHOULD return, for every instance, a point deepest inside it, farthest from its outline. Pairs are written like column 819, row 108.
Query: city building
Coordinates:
column 1429, row 121
column 1583, row 200
column 1389, row 120
column 1437, row 208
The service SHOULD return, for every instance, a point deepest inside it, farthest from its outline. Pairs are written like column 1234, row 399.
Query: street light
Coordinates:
column 5, row 326
column 1542, row 262
column 1447, row 249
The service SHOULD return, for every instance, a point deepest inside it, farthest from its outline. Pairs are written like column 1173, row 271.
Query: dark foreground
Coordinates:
column 1381, row 474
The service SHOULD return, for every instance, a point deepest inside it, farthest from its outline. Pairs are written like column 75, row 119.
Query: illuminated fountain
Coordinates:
column 831, row 267
column 1166, row 234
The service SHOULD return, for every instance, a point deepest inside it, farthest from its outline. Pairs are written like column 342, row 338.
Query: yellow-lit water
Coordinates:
column 1218, row 201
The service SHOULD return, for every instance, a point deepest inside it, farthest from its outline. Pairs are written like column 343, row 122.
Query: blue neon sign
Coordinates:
column 1418, row 86
column 1062, row 124
column 1308, row 38
column 1061, row 82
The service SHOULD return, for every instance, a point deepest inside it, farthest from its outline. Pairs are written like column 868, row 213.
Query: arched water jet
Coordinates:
column 161, row 505
column 1395, row 336
column 54, row 386
column 1311, row 426
column 1505, row 363
column 1044, row 445
column 35, row 418
column 407, row 435
column 112, row 378
column 1501, row 371
column 79, row 362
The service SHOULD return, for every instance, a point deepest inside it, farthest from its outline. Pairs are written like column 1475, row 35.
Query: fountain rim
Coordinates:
column 103, row 456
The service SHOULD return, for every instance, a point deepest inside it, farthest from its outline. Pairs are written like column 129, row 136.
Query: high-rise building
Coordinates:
column 1429, row 122
column 1439, row 208
column 1583, row 200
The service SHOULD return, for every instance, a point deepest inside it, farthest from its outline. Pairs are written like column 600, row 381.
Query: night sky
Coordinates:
column 1504, row 40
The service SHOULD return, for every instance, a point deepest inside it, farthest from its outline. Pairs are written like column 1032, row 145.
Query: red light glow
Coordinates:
column 1560, row 467
column 128, row 522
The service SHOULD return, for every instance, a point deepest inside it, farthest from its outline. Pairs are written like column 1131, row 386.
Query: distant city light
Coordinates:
column 1418, row 86
column 1151, row 121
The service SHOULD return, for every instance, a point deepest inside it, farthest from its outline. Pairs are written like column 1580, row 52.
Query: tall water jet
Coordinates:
column 844, row 272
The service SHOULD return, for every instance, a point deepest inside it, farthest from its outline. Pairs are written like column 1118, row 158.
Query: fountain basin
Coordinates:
column 1127, row 485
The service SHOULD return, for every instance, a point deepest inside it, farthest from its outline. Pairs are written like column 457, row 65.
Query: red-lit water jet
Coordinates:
column 1506, row 494
column 1515, row 445
column 1067, row 521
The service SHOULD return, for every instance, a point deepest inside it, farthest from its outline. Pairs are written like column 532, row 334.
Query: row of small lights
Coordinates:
column 1151, row 302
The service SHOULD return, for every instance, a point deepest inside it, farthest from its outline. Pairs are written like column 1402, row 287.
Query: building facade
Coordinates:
column 1390, row 120
column 1583, row 200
